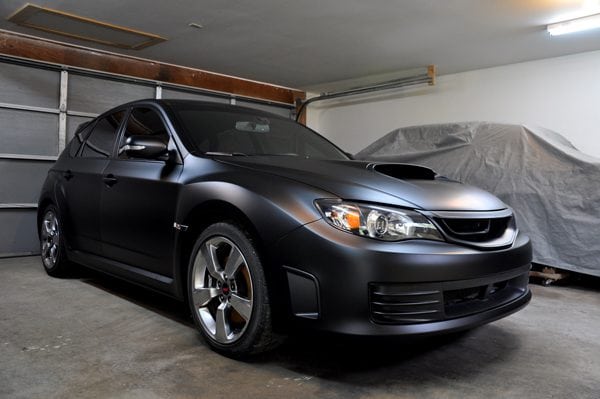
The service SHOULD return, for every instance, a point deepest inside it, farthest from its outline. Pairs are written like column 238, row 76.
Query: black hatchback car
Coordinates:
column 261, row 225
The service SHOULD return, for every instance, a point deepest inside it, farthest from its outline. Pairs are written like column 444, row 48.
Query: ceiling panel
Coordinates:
column 304, row 43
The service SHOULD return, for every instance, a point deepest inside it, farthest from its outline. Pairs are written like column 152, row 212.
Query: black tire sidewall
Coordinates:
column 260, row 307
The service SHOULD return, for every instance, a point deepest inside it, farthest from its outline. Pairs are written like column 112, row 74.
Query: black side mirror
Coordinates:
column 148, row 147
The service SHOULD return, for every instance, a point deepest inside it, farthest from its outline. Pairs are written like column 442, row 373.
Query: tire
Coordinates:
column 52, row 245
column 227, row 292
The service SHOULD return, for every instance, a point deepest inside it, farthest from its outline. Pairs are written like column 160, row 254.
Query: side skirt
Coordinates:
column 132, row 274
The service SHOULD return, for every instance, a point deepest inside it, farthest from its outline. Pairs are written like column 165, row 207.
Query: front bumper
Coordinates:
column 343, row 283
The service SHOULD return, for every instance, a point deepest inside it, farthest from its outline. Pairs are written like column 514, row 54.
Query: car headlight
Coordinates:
column 382, row 223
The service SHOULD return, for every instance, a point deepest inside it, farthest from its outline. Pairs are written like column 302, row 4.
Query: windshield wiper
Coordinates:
column 227, row 154
column 281, row 154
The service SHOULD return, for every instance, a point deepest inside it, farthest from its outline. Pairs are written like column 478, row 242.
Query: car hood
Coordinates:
column 385, row 183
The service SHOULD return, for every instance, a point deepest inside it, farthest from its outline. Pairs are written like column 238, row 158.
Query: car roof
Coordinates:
column 206, row 105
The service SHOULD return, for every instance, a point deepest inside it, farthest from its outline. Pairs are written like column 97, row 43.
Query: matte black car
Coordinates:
column 262, row 226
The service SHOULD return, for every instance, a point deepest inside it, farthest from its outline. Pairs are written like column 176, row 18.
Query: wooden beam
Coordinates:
column 23, row 46
column 431, row 74
column 298, row 101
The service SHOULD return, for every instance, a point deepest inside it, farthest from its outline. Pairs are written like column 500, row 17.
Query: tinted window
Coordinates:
column 102, row 139
column 249, row 133
column 143, row 122
column 80, row 135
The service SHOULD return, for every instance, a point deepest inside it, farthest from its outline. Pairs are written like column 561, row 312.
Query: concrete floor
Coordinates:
column 92, row 336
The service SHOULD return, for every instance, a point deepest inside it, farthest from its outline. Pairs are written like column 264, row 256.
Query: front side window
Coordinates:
column 143, row 122
column 101, row 141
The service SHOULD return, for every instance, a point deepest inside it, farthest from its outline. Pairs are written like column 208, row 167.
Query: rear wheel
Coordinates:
column 52, row 243
column 227, row 292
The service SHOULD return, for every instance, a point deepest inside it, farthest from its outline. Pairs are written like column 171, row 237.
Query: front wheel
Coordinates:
column 227, row 292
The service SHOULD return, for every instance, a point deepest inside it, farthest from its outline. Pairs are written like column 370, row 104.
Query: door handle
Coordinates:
column 110, row 180
column 68, row 175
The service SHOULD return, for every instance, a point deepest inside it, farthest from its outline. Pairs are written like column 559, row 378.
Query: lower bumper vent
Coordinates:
column 398, row 305
column 429, row 302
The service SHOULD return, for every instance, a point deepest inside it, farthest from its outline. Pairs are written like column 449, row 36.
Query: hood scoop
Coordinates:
column 403, row 171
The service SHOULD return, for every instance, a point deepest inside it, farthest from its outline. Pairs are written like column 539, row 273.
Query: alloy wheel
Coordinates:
column 50, row 239
column 222, row 291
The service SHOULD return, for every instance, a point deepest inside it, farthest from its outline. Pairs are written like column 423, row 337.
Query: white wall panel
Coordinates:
column 561, row 94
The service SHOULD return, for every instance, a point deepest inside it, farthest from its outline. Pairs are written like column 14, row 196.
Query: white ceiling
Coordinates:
column 303, row 43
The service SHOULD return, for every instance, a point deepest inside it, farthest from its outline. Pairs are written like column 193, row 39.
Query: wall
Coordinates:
column 562, row 94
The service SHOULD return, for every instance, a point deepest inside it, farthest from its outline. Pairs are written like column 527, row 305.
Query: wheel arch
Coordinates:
column 213, row 211
column 202, row 216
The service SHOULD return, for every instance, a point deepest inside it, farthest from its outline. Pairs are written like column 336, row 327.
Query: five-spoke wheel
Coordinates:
column 49, row 239
column 222, row 289
column 227, row 291
column 51, row 243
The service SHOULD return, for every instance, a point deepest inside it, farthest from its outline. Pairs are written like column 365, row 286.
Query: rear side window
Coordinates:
column 143, row 122
column 102, row 139
column 81, row 133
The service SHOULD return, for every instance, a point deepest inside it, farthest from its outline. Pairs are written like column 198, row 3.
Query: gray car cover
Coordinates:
column 553, row 188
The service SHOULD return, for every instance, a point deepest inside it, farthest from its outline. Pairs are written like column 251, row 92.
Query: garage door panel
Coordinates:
column 21, row 180
column 73, row 123
column 18, row 233
column 93, row 95
column 29, row 86
column 30, row 134
column 26, row 132
column 279, row 110
column 186, row 95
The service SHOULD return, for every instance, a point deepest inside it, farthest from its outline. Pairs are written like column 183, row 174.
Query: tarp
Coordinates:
column 553, row 188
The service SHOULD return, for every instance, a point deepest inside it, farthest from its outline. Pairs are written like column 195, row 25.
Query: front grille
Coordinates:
column 463, row 302
column 474, row 230
column 485, row 230
column 429, row 302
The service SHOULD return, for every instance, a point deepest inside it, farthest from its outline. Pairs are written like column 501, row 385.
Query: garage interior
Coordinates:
column 376, row 67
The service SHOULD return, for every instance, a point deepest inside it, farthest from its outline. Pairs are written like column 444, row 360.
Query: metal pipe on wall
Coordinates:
column 428, row 77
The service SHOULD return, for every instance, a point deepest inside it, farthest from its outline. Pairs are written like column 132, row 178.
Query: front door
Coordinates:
column 138, row 207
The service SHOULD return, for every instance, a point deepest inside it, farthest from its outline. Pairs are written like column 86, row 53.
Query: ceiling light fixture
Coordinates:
column 574, row 25
column 82, row 28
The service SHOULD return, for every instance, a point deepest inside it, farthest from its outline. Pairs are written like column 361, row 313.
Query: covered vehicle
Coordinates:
column 552, row 186
column 262, row 224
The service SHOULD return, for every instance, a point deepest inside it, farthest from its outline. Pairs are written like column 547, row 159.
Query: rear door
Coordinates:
column 83, row 182
column 138, row 208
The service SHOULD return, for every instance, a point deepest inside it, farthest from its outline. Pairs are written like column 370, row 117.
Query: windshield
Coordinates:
column 241, row 132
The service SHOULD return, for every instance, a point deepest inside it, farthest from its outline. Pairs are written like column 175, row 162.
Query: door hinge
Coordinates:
column 180, row 227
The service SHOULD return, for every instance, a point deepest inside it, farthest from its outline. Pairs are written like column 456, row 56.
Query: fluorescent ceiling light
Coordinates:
column 574, row 25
